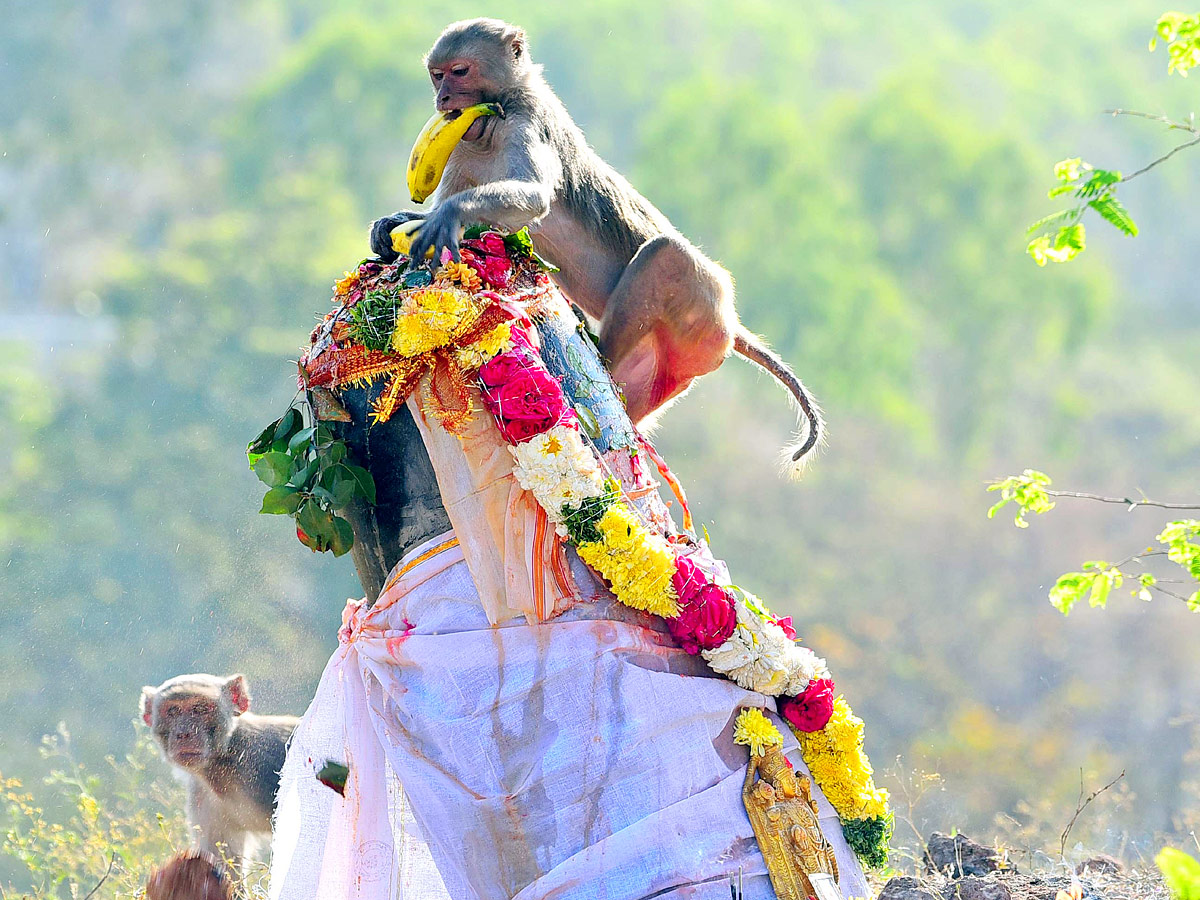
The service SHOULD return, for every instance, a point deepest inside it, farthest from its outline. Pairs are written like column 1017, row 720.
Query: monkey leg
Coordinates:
column 668, row 321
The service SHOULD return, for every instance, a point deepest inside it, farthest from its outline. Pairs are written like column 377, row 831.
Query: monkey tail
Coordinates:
column 812, row 432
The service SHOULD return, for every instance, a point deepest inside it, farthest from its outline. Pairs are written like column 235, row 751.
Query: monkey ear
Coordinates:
column 518, row 43
column 238, row 692
column 148, row 704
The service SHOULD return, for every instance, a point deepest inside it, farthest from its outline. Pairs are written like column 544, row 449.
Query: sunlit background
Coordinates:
column 181, row 183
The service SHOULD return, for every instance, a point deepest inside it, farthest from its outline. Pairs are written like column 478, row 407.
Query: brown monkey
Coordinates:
column 665, row 310
column 230, row 758
column 189, row 876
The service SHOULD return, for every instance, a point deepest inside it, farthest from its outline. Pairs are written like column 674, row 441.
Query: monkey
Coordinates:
column 229, row 758
column 192, row 875
column 665, row 311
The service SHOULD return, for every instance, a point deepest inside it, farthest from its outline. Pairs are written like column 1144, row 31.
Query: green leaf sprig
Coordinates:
column 1179, row 542
column 309, row 478
column 1061, row 236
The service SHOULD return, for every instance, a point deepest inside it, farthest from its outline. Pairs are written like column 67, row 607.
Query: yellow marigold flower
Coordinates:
column 838, row 764
column 346, row 284
column 431, row 318
column 497, row 340
column 754, row 730
column 461, row 273
column 637, row 563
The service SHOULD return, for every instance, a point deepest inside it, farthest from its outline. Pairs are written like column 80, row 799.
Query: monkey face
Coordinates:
column 193, row 715
column 476, row 62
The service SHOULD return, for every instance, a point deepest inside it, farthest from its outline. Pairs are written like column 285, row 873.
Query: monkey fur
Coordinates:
column 230, row 758
column 191, row 875
column 665, row 311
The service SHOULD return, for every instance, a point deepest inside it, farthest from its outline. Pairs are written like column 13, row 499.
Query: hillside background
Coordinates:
column 180, row 184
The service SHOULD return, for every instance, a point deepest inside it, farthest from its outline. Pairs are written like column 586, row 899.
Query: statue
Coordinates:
column 784, row 817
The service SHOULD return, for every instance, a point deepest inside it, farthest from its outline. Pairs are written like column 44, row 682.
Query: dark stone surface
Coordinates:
column 906, row 888
column 408, row 507
column 959, row 855
column 972, row 887
column 1100, row 864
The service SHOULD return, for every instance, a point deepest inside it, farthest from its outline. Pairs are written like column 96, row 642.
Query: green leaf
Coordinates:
column 1181, row 873
column 1099, row 183
column 1113, row 212
column 1068, row 170
column 417, row 278
column 317, row 524
column 300, row 440
column 365, row 484
column 336, row 452
column 588, row 422
column 1069, row 590
column 302, row 478
column 291, row 422
column 273, row 468
column 334, row 775
column 340, row 484
column 1050, row 219
column 262, row 443
column 282, row 500
column 343, row 536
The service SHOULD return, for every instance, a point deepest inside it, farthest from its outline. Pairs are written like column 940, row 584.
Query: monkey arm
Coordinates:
column 521, row 197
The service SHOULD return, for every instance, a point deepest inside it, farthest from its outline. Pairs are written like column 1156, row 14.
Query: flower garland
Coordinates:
column 733, row 631
column 455, row 319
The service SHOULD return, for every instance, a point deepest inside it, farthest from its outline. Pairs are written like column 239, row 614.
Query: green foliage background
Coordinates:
column 181, row 183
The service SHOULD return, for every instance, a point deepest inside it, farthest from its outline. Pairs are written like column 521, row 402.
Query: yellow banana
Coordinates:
column 403, row 234
column 436, row 142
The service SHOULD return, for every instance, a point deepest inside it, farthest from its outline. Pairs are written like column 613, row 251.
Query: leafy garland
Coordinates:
column 308, row 477
column 472, row 318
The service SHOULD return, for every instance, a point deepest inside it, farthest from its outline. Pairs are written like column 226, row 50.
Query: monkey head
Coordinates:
column 192, row 716
column 193, row 875
column 477, row 61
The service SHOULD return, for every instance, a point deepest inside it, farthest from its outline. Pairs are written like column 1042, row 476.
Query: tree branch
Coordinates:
column 1128, row 501
column 1189, row 127
column 1081, row 806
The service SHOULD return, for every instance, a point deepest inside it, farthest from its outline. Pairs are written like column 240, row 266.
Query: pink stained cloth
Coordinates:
column 582, row 757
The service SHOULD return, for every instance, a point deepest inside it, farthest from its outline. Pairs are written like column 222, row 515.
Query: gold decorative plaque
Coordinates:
column 784, row 817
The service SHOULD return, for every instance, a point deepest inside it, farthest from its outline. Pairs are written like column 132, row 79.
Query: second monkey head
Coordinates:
column 478, row 61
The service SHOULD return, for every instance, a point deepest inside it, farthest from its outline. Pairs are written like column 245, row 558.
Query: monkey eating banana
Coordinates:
column 436, row 142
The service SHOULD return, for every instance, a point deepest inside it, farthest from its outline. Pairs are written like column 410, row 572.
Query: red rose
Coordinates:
column 786, row 624
column 501, row 369
column 812, row 709
column 707, row 615
column 496, row 271
column 528, row 403
column 493, row 244
column 518, row 431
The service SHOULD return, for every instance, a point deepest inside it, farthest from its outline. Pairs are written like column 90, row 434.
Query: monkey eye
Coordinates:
column 437, row 76
column 460, row 71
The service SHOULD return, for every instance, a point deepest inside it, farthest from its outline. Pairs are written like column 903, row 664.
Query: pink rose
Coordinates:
column 707, row 615
column 812, row 709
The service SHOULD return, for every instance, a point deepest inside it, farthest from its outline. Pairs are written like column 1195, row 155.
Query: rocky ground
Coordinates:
column 958, row 868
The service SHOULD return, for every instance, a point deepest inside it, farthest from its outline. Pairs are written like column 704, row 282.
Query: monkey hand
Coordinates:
column 442, row 230
column 381, row 233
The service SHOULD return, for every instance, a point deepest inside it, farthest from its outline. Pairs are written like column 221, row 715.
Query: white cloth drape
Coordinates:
column 582, row 757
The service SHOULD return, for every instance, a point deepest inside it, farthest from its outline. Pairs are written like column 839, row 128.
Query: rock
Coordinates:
column 973, row 887
column 1100, row 864
column 904, row 888
column 959, row 855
